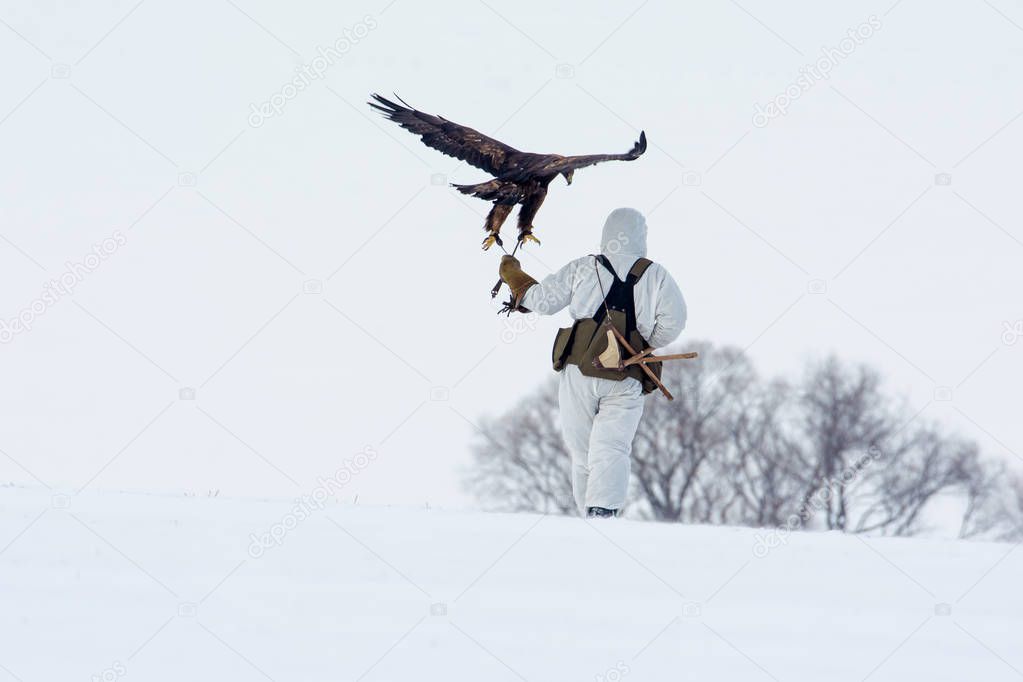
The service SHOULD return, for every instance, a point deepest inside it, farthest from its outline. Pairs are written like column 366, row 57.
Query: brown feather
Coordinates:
column 449, row 137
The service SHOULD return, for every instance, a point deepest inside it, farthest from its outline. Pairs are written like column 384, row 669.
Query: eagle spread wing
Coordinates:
column 552, row 165
column 448, row 137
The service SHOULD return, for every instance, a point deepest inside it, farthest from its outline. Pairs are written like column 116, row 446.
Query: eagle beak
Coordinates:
column 568, row 178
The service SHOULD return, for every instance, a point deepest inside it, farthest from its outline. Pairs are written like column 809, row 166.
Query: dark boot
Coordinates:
column 601, row 513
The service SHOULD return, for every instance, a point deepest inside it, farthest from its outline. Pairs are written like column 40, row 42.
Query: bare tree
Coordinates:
column 519, row 460
column 766, row 475
column 911, row 473
column 1013, row 526
column 872, row 470
column 682, row 450
column 997, row 512
column 983, row 492
column 839, row 415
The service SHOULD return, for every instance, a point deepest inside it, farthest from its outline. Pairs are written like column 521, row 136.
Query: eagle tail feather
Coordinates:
column 493, row 190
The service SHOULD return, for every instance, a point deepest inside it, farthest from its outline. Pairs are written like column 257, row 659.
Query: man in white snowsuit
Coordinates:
column 599, row 416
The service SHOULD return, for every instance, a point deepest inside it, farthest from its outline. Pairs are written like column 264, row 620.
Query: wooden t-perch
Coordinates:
column 643, row 357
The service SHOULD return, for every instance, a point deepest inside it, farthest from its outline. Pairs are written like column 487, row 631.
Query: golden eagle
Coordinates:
column 519, row 177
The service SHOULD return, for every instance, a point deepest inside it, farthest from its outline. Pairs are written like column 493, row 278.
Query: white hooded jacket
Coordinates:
column 660, row 308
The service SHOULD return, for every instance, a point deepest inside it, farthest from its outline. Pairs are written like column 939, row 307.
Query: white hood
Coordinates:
column 582, row 284
column 624, row 234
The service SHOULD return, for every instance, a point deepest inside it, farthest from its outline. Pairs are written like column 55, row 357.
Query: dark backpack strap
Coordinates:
column 611, row 292
column 620, row 295
column 603, row 260
column 638, row 268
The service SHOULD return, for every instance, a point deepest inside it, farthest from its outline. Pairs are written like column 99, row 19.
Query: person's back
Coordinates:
column 600, row 410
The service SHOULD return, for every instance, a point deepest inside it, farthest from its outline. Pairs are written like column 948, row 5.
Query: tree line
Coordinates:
column 829, row 450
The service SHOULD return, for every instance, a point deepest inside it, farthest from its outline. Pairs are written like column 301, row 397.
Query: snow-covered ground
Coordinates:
column 146, row 587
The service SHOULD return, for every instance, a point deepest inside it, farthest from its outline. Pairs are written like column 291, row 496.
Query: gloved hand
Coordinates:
column 518, row 281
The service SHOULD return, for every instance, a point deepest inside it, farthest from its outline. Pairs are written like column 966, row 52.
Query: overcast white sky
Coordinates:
column 134, row 119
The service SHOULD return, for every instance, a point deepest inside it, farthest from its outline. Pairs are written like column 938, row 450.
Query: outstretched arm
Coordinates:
column 546, row 297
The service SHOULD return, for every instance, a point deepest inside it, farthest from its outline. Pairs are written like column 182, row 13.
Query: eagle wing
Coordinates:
column 449, row 137
column 552, row 165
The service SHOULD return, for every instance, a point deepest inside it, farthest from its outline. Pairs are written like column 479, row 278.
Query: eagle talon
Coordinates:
column 528, row 237
column 492, row 238
column 509, row 306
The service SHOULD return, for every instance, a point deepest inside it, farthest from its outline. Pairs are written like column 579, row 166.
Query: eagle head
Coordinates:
column 568, row 176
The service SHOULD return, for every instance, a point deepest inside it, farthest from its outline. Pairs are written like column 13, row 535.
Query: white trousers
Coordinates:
column 599, row 418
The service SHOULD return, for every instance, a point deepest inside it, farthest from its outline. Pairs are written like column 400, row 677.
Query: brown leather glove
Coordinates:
column 518, row 281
